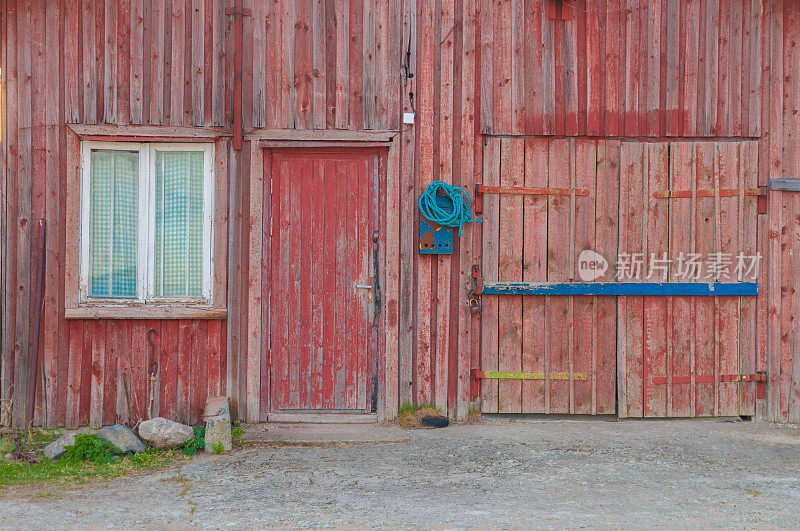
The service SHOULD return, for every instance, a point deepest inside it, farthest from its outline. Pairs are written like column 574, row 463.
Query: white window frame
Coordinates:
column 145, row 285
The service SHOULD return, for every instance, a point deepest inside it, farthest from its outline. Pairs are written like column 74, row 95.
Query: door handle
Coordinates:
column 366, row 286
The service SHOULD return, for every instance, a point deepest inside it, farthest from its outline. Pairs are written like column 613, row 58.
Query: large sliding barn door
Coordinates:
column 324, row 214
column 685, row 356
column 564, row 345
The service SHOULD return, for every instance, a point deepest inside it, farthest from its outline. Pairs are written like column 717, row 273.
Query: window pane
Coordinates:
column 179, row 224
column 113, row 231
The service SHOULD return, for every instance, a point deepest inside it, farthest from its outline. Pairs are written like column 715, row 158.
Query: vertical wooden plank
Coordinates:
column 692, row 67
column 651, row 72
column 73, row 104
column 467, row 141
column 675, row 65
column 584, row 356
column 509, row 328
column 98, row 360
column 595, row 55
column 51, row 318
column 606, row 244
column 184, row 370
column 569, row 54
column 137, row 61
column 303, row 57
column 218, row 43
column 356, row 63
column 178, row 33
column 198, row 61
column 122, row 69
column 74, row 374
column 681, row 238
column 753, row 62
column 614, row 68
column 502, row 54
column 656, row 309
column 23, row 221
column 107, row 31
column 319, row 70
column 342, row 64
column 306, row 300
column 254, row 314
column 487, row 66
column 705, row 322
column 532, row 60
column 748, row 178
column 156, row 39
column 519, row 98
column 632, row 49
column 534, row 269
column 109, row 376
column 721, row 124
column 736, row 80
column 425, row 139
column 559, row 232
column 392, row 321
column 709, row 58
column 730, row 223
column 630, row 341
column 444, row 172
column 330, row 329
column 489, row 271
column 215, row 341
column 368, row 61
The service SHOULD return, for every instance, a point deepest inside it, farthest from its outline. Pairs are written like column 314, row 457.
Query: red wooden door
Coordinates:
column 324, row 206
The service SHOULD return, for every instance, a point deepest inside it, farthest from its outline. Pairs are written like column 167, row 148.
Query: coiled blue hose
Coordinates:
column 456, row 217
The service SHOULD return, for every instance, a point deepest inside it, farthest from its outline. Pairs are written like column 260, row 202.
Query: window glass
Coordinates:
column 178, row 245
column 113, row 233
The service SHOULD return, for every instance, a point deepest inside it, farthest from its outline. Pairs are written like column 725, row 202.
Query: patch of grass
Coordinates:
column 65, row 472
column 90, row 448
column 218, row 448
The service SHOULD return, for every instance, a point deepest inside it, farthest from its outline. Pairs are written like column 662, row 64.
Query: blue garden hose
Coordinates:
column 449, row 217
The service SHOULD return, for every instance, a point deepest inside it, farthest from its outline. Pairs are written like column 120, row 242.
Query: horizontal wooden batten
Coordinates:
column 148, row 133
column 526, row 190
column 319, row 144
column 319, row 135
column 686, row 194
column 709, row 378
column 502, row 375
column 145, row 312
column 697, row 289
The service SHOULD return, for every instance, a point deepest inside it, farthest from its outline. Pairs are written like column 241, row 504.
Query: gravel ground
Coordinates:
column 562, row 473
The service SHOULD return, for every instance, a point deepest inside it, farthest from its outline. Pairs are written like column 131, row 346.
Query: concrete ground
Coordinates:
column 548, row 473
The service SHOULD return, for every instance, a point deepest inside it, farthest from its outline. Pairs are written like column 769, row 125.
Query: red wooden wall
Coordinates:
column 605, row 68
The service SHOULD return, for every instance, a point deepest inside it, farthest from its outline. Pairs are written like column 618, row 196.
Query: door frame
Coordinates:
column 256, row 347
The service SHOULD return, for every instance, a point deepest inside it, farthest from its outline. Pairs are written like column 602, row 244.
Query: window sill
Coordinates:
column 145, row 311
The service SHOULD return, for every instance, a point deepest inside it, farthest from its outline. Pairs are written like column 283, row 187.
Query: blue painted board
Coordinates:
column 697, row 289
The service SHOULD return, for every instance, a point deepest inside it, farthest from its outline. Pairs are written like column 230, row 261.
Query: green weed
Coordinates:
column 192, row 446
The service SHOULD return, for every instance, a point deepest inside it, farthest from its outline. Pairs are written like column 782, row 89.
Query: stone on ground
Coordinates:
column 123, row 438
column 164, row 433
column 218, row 430
column 56, row 449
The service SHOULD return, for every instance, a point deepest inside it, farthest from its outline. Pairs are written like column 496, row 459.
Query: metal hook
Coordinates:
column 153, row 367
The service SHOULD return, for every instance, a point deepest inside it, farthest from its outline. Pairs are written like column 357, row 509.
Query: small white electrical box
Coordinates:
column 408, row 117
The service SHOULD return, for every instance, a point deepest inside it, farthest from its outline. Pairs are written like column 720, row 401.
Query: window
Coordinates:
column 146, row 222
